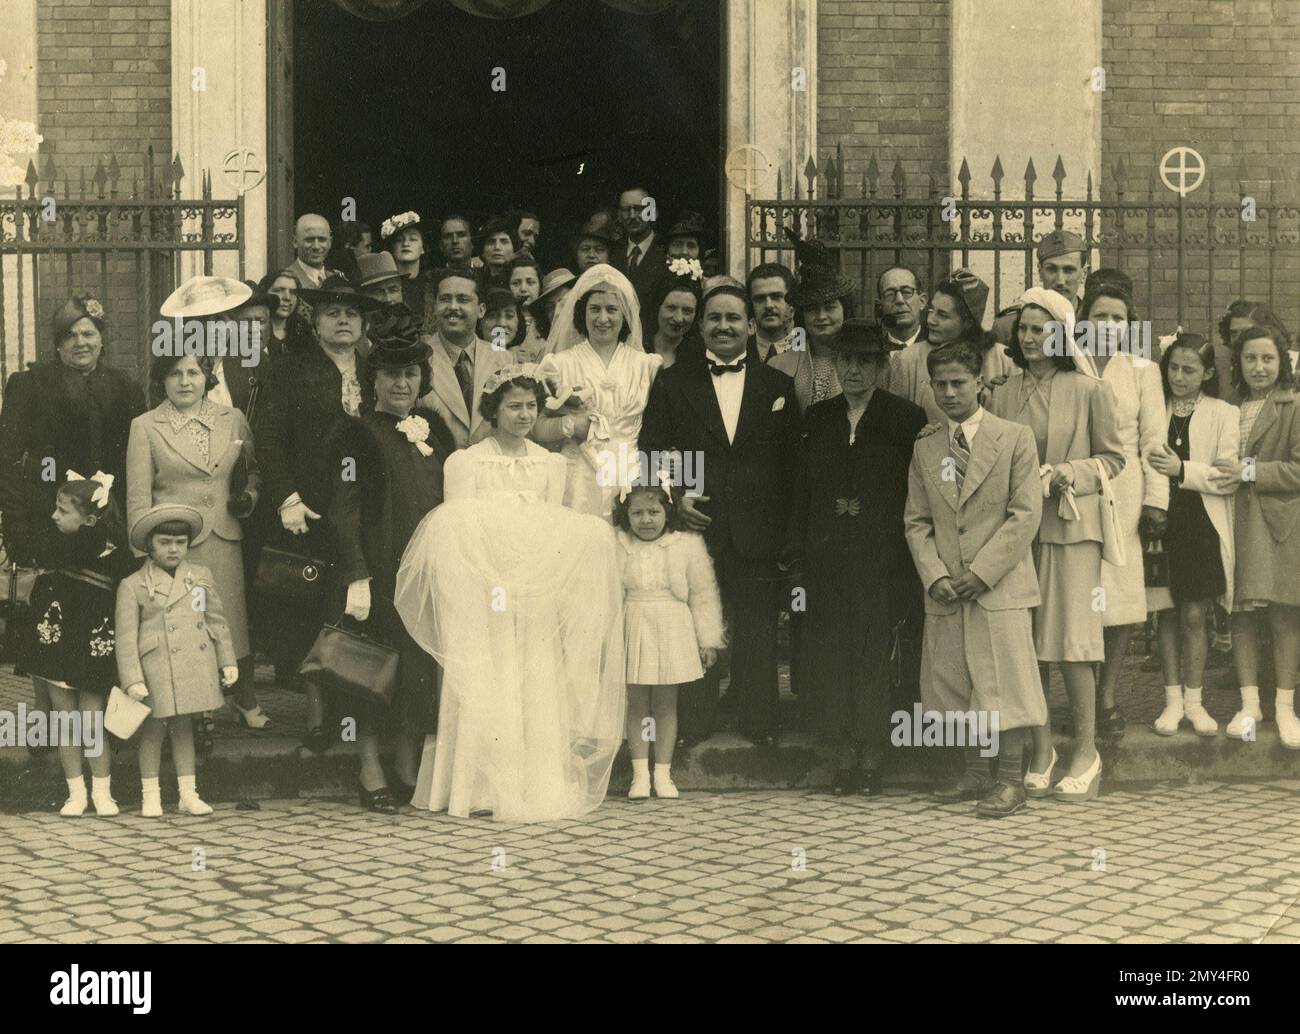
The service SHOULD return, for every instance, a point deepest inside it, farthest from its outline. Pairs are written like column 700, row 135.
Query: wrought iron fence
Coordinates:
column 1188, row 256
column 122, row 246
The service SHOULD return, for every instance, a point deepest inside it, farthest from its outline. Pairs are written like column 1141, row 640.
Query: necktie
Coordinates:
column 633, row 258
column 465, row 375
column 960, row 456
column 718, row 369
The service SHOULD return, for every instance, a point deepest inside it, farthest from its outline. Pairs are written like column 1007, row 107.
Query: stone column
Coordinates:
column 1022, row 88
column 17, row 104
column 766, row 41
column 224, row 123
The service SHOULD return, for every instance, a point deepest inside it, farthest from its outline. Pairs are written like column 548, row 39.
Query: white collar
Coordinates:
column 968, row 426
column 715, row 358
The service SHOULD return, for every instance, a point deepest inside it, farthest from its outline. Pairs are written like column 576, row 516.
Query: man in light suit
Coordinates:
column 641, row 257
column 311, row 243
column 461, row 360
column 973, row 505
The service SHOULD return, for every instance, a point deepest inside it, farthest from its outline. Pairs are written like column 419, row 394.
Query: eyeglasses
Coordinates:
column 906, row 293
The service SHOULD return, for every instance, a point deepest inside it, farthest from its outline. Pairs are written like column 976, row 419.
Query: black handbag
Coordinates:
column 291, row 580
column 351, row 663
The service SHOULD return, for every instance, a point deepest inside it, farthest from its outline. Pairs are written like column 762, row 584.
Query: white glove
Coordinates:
column 229, row 675
column 137, row 692
column 358, row 605
column 294, row 516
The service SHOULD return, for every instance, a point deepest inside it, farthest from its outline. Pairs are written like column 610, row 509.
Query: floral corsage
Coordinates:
column 416, row 430
column 686, row 267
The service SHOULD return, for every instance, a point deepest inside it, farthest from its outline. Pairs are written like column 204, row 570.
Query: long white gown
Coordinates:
column 519, row 600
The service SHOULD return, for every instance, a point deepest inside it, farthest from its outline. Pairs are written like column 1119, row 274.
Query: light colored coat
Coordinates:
column 988, row 528
column 445, row 398
column 176, row 645
column 1080, row 426
column 163, row 466
column 909, row 376
column 1267, row 509
column 1214, row 436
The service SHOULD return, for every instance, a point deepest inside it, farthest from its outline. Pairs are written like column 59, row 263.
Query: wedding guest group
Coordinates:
column 501, row 518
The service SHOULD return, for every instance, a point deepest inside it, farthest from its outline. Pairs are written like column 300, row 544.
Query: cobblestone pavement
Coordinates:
column 1206, row 863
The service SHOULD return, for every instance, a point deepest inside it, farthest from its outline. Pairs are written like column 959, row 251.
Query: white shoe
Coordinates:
column 1081, row 788
column 1288, row 728
column 76, row 802
column 1170, row 718
column 664, row 785
column 253, row 718
column 193, row 804
column 640, row 788
column 151, row 804
column 105, row 806
column 1201, row 720
column 1039, row 784
column 1244, row 722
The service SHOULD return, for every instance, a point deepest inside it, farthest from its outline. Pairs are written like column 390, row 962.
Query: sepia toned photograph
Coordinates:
column 651, row 471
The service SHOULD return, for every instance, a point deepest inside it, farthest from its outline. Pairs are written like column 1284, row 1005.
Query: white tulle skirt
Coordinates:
column 521, row 605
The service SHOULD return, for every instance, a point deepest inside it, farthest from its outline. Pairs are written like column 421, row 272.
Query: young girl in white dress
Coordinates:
column 672, row 626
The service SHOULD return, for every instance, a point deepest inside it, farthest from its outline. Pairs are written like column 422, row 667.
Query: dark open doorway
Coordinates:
column 402, row 115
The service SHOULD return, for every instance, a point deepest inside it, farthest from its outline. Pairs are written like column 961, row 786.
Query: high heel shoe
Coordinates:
column 402, row 791
column 252, row 718
column 380, row 800
column 1081, row 788
column 1039, row 784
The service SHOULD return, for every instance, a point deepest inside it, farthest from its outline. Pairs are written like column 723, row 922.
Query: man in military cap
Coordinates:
column 1062, row 267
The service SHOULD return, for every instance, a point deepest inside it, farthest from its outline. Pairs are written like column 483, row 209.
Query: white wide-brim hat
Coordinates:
column 206, row 296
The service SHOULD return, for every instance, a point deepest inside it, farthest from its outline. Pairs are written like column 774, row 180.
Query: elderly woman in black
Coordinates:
column 71, row 411
column 399, row 452
column 858, row 574
column 311, row 390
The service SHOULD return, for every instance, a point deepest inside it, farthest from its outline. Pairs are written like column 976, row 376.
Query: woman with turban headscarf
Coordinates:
column 1057, row 394
column 599, row 365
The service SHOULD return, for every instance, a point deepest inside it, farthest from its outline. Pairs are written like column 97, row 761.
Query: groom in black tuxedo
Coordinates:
column 740, row 420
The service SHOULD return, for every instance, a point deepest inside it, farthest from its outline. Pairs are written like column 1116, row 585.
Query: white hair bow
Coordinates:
column 105, row 481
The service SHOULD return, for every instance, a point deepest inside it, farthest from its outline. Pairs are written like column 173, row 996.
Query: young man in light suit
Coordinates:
column 461, row 360
column 973, row 505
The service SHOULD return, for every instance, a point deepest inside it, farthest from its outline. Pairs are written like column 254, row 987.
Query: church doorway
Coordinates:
column 402, row 114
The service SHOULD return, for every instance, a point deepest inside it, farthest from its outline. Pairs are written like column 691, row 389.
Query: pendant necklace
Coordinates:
column 1183, row 410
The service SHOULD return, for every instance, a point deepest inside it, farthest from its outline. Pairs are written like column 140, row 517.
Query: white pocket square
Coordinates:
column 778, row 405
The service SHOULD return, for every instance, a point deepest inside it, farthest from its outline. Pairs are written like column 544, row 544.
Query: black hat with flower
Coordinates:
column 77, row 307
column 395, row 338
column 818, row 274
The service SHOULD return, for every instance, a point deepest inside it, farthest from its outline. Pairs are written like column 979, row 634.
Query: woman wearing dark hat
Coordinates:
column 72, row 411
column 310, row 390
column 593, row 242
column 555, row 285
column 403, row 238
column 686, row 237
column 858, row 574
column 497, row 245
column 823, row 300
column 399, row 452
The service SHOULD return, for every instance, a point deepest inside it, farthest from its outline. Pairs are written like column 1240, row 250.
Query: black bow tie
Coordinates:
column 718, row 369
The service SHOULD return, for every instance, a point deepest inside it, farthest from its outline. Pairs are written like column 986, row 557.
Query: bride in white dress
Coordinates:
column 519, row 600
column 596, row 349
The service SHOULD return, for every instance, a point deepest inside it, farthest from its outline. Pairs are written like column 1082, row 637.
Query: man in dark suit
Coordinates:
column 738, row 422
column 642, row 256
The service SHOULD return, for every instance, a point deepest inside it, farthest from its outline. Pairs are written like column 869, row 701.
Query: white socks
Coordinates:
column 640, row 788
column 102, row 795
column 1197, row 714
column 1244, row 722
column 1288, row 726
column 1172, row 715
column 76, row 802
column 664, row 786
column 150, row 798
column 191, row 803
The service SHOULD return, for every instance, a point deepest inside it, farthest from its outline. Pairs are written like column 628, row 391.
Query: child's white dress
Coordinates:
column 671, row 607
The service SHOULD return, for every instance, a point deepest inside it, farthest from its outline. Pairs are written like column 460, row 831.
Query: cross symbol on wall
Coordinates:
column 744, row 166
column 1168, row 170
column 243, row 169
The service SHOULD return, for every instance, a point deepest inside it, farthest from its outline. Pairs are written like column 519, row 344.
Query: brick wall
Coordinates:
column 1223, row 78
column 103, row 78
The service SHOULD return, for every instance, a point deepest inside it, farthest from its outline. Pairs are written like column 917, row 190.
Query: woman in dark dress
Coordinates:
column 399, row 453
column 860, row 581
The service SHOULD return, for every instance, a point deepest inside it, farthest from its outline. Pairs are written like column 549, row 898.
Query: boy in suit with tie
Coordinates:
column 739, row 422
column 973, row 505
column 461, row 360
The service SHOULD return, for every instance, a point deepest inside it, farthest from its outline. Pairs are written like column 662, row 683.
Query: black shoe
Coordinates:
column 843, row 782
column 872, row 783
column 1005, row 799
column 402, row 792
column 319, row 740
column 1110, row 721
column 967, row 788
column 380, row 800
